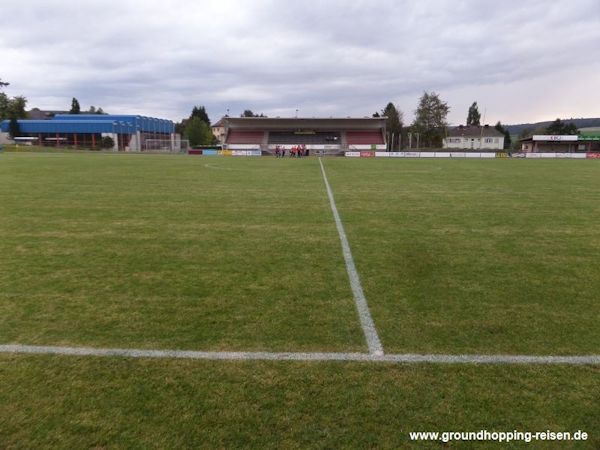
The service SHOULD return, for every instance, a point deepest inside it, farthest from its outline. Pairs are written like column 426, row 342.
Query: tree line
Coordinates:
column 12, row 108
column 197, row 127
column 428, row 128
column 430, row 125
column 76, row 108
column 556, row 127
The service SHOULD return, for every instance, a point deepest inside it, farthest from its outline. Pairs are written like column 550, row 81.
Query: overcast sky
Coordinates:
column 521, row 60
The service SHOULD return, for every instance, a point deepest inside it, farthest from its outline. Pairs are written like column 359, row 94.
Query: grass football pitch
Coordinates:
column 242, row 254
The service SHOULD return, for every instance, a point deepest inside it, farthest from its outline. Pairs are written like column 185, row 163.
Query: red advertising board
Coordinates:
column 590, row 156
column 367, row 154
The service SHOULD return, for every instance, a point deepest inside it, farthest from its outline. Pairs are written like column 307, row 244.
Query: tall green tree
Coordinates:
column 12, row 108
column 16, row 108
column 555, row 127
column 249, row 113
column 430, row 119
column 13, row 128
column 4, row 101
column 75, row 108
column 200, row 113
column 4, row 105
column 474, row 117
column 198, row 132
column 94, row 110
column 393, row 124
column 559, row 127
column 571, row 128
column 505, row 132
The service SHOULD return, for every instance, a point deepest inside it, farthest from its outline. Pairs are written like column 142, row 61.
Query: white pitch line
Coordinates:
column 366, row 321
column 299, row 356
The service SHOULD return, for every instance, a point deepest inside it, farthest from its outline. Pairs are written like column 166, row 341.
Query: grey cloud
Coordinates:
column 325, row 58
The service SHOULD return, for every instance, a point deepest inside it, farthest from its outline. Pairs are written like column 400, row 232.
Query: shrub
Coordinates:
column 107, row 142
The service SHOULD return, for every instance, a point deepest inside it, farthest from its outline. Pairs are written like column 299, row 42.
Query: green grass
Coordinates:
column 56, row 402
column 159, row 251
column 476, row 256
column 20, row 148
column 170, row 252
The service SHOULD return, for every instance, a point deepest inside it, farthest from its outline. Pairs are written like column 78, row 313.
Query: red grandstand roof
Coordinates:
column 313, row 123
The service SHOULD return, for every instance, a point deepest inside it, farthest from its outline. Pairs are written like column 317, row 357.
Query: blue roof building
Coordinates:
column 129, row 132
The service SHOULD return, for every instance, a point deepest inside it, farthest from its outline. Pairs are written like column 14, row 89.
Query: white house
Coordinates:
column 218, row 130
column 474, row 137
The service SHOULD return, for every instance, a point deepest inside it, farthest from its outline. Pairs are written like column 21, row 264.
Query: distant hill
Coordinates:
column 579, row 123
column 590, row 131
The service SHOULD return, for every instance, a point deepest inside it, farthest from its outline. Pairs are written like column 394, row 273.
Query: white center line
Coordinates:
column 366, row 321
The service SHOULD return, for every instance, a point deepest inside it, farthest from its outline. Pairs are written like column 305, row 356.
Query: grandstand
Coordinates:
column 318, row 135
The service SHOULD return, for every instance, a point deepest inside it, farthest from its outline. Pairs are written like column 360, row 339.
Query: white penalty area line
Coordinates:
column 366, row 321
column 300, row 356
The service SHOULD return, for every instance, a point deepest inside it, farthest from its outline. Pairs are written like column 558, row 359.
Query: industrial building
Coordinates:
column 128, row 132
column 317, row 135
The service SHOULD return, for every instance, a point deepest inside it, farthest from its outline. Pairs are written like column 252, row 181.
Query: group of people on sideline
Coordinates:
column 297, row 151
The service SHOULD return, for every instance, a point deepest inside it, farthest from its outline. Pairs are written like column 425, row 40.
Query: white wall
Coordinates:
column 290, row 146
column 465, row 143
column 366, row 147
column 5, row 138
